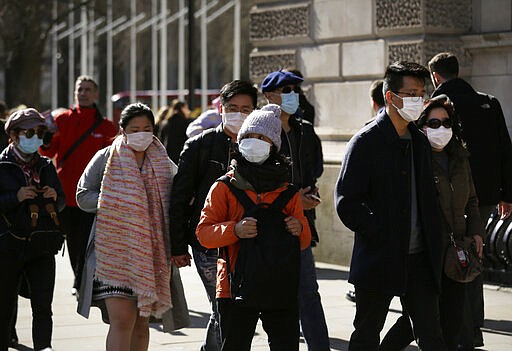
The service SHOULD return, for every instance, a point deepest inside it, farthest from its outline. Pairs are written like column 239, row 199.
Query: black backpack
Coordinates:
column 267, row 269
column 38, row 223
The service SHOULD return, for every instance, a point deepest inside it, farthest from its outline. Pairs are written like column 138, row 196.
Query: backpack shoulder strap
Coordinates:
column 240, row 195
column 282, row 200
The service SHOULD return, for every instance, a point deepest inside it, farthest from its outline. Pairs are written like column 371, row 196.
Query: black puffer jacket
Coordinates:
column 310, row 161
column 487, row 138
column 12, row 179
column 205, row 158
column 456, row 193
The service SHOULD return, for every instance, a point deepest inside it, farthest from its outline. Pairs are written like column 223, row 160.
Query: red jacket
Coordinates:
column 71, row 125
column 220, row 214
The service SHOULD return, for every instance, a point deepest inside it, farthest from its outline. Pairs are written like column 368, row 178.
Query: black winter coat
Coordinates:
column 12, row 179
column 205, row 158
column 310, row 161
column 487, row 140
column 373, row 198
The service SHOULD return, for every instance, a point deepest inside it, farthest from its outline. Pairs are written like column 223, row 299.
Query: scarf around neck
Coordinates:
column 132, row 229
column 268, row 176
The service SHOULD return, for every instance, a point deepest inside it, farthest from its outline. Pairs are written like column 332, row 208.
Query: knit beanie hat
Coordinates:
column 265, row 122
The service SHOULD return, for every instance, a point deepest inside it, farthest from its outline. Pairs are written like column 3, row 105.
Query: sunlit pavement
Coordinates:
column 75, row 333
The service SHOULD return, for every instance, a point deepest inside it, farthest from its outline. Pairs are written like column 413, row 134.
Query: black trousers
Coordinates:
column 421, row 300
column 237, row 326
column 451, row 308
column 77, row 226
column 16, row 260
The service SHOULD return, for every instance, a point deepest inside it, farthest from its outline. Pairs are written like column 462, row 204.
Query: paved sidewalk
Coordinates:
column 72, row 332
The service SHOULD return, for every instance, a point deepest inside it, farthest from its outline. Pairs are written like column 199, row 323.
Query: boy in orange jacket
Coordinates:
column 259, row 173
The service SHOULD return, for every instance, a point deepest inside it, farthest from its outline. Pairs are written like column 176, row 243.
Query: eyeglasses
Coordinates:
column 233, row 108
column 435, row 123
column 288, row 89
column 29, row 133
column 414, row 97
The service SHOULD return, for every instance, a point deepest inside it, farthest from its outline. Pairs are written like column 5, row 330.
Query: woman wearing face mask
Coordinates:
column 258, row 170
column 30, row 194
column 459, row 207
column 127, row 265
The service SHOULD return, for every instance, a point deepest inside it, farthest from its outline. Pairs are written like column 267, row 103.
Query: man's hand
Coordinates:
column 307, row 202
column 26, row 192
column 246, row 228
column 479, row 245
column 182, row 260
column 293, row 225
column 504, row 209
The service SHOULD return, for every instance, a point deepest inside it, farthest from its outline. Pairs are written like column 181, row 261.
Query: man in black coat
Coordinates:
column 386, row 194
column 488, row 141
column 301, row 144
column 205, row 158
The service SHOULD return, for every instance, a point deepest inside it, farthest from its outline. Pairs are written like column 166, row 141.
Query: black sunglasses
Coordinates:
column 289, row 89
column 29, row 133
column 435, row 123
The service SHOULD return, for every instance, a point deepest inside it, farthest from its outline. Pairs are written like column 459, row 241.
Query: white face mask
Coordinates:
column 139, row 141
column 439, row 137
column 254, row 150
column 233, row 121
column 412, row 107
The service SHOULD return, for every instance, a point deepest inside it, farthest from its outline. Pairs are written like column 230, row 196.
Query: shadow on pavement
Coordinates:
column 22, row 347
column 197, row 320
column 331, row 274
column 498, row 326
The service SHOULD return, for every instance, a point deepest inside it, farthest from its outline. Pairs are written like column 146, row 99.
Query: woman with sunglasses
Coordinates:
column 30, row 197
column 459, row 208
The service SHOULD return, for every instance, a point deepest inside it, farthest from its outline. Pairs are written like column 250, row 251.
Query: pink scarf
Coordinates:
column 132, row 229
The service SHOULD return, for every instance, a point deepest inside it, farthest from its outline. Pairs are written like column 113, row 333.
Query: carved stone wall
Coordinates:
column 406, row 51
column 454, row 14
column 422, row 51
column 282, row 22
column 262, row 64
column 398, row 13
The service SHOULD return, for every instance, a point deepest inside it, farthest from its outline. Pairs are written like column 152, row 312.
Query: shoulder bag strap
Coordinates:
column 99, row 120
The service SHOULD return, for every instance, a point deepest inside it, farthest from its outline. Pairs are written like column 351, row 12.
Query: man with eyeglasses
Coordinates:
column 301, row 144
column 486, row 135
column 81, row 132
column 386, row 194
column 204, row 158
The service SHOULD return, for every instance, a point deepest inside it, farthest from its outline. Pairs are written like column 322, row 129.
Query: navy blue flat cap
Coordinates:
column 279, row 79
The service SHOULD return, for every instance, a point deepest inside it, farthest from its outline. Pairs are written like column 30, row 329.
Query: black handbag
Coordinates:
column 461, row 262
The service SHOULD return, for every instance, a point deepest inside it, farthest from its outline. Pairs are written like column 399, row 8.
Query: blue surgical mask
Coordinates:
column 290, row 102
column 29, row 145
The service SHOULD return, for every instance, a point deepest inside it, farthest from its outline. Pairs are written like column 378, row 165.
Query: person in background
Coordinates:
column 160, row 118
column 461, row 217
column 303, row 147
column 386, row 194
column 208, row 119
column 28, row 185
column 205, row 157
column 127, row 185
column 172, row 130
column 81, row 132
column 490, row 158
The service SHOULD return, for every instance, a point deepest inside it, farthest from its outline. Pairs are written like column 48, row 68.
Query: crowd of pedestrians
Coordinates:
column 238, row 186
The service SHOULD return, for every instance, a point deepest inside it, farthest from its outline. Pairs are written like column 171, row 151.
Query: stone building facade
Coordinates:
column 341, row 46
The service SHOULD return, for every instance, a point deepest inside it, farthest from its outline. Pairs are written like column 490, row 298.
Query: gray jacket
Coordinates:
column 87, row 194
